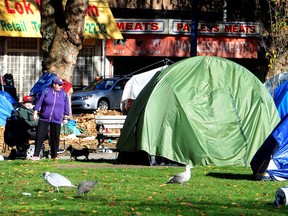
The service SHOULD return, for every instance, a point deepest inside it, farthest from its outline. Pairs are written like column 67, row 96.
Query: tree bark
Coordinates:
column 63, row 33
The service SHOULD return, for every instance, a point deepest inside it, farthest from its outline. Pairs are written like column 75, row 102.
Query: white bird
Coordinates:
column 56, row 180
column 85, row 187
column 181, row 177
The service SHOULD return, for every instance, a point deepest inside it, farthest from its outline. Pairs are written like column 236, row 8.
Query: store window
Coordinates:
column 21, row 59
column 84, row 72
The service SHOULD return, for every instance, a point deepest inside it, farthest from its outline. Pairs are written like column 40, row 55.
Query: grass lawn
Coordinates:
column 130, row 190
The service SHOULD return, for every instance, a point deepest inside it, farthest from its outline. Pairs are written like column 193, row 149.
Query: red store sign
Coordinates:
column 183, row 27
column 179, row 46
column 145, row 26
column 239, row 29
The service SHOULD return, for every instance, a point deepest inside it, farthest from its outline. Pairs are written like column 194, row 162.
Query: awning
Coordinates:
column 22, row 19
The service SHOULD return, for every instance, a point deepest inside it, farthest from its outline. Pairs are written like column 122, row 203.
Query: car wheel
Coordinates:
column 103, row 104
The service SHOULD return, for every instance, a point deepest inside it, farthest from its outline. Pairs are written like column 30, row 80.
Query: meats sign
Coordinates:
column 243, row 29
column 145, row 26
column 170, row 37
column 183, row 27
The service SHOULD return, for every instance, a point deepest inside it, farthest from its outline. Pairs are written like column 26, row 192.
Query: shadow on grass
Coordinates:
column 99, row 160
column 232, row 176
column 116, row 162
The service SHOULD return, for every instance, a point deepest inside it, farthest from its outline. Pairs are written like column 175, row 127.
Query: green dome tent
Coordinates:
column 199, row 111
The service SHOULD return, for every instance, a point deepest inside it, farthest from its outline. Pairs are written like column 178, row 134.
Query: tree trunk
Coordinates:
column 63, row 33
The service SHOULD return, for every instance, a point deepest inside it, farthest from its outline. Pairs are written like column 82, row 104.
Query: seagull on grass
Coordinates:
column 85, row 186
column 182, row 177
column 56, row 180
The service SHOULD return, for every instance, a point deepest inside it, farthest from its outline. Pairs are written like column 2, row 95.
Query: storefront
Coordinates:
column 146, row 41
column 20, row 42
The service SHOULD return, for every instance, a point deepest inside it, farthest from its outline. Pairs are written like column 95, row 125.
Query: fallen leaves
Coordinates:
column 150, row 198
column 85, row 121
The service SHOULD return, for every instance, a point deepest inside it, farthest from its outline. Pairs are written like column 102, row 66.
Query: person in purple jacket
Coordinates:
column 52, row 108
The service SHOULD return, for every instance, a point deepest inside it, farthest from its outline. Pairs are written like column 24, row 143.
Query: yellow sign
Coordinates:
column 21, row 18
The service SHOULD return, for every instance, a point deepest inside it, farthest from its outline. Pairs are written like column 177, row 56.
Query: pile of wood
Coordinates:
column 85, row 121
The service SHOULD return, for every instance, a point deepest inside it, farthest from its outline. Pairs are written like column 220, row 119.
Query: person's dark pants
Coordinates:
column 41, row 135
column 100, row 138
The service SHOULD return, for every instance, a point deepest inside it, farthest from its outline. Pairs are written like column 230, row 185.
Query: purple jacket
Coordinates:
column 52, row 105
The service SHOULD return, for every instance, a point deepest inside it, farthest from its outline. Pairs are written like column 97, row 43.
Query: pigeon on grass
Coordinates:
column 182, row 177
column 56, row 180
column 85, row 186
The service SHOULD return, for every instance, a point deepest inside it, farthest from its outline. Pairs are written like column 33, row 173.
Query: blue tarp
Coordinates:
column 71, row 124
column 281, row 99
column 6, row 106
column 270, row 162
column 44, row 81
column 272, row 156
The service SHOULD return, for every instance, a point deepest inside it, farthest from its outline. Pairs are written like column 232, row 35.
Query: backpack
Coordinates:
column 12, row 127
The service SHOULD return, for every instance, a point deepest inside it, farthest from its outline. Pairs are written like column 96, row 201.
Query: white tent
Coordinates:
column 137, row 82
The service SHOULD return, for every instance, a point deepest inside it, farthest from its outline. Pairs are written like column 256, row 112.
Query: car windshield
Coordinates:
column 101, row 84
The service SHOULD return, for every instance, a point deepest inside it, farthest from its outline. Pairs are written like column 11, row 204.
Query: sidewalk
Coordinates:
column 94, row 156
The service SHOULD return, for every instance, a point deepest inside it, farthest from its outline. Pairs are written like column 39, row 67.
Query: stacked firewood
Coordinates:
column 85, row 121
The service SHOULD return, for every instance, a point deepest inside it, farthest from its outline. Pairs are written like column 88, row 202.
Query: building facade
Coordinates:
column 154, row 30
column 151, row 31
column 149, row 40
column 21, row 42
